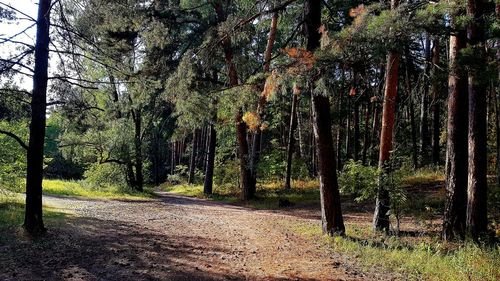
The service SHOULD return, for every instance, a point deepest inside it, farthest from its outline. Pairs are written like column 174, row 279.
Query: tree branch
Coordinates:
column 15, row 137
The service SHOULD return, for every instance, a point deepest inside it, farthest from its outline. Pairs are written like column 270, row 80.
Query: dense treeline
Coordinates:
column 236, row 93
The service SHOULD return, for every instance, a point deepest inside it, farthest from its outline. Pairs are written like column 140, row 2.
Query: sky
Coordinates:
column 22, row 26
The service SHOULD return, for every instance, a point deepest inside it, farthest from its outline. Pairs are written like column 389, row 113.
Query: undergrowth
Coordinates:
column 416, row 258
column 79, row 188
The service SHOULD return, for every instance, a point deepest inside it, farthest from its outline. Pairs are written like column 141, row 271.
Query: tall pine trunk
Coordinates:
column 366, row 138
column 456, row 143
column 194, row 153
column 291, row 139
column 33, row 220
column 209, row 171
column 257, row 136
column 246, row 179
column 477, row 220
column 436, row 124
column 425, row 137
column 331, row 212
column 382, row 205
column 139, row 177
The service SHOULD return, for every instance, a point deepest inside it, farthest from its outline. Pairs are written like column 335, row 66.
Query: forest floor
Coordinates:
column 174, row 237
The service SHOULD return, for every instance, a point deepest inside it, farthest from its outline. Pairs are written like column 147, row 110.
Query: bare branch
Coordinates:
column 15, row 137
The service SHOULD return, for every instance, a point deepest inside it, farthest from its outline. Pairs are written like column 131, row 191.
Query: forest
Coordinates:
column 249, row 140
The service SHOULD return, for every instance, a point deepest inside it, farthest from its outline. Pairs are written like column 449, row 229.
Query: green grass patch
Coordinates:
column 415, row 258
column 12, row 211
column 267, row 194
column 78, row 188
column 424, row 176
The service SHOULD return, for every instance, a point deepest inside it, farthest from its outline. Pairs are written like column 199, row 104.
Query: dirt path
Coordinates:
column 172, row 238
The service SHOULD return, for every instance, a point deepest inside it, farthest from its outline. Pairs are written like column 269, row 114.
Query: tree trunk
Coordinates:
column 425, row 137
column 291, row 140
column 436, row 124
column 382, row 207
column 33, row 220
column 357, row 134
column 375, row 134
column 366, row 138
column 209, row 172
column 348, row 131
column 139, row 178
column 302, row 152
column 246, row 179
column 194, row 153
column 257, row 136
column 411, row 111
column 172, row 158
column 331, row 213
column 456, row 143
column 497, row 10
column 477, row 221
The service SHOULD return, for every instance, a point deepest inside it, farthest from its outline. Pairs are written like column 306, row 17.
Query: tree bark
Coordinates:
column 477, row 221
column 139, row 177
column 456, row 143
column 331, row 212
column 425, row 137
column 436, row 124
column 411, row 110
column 291, row 140
column 194, row 153
column 33, row 220
column 357, row 134
column 497, row 11
column 381, row 215
column 209, row 172
column 246, row 179
column 382, row 207
column 257, row 136
column 366, row 138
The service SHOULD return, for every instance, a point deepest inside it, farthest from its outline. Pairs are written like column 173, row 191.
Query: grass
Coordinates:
column 267, row 194
column 415, row 258
column 77, row 188
column 12, row 211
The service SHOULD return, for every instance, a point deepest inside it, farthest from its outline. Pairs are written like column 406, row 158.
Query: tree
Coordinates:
column 246, row 182
column 33, row 220
column 436, row 122
column 477, row 221
column 331, row 212
column 382, row 205
column 456, row 143
column 291, row 136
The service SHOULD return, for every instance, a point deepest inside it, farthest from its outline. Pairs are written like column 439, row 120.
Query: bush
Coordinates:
column 359, row 180
column 180, row 175
column 104, row 176
column 363, row 182
column 227, row 176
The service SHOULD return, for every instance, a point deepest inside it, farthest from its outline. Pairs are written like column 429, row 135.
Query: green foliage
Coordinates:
column 84, row 189
column 227, row 175
column 105, row 176
column 181, row 174
column 12, row 156
column 359, row 180
column 409, row 258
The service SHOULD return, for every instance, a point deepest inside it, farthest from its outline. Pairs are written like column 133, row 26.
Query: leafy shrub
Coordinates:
column 359, row 180
column 180, row 175
column 107, row 175
column 13, row 157
column 272, row 164
column 227, row 175
column 363, row 182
